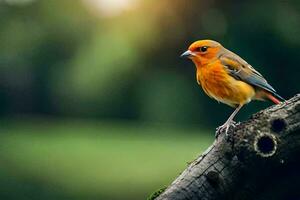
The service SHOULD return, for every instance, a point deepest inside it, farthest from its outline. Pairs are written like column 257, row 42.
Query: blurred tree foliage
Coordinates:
column 62, row 58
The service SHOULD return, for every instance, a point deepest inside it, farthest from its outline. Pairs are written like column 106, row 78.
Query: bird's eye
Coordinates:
column 202, row 49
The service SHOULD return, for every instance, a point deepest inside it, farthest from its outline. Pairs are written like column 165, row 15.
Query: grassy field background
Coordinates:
column 72, row 159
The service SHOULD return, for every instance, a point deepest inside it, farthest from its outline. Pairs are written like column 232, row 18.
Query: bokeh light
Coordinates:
column 110, row 8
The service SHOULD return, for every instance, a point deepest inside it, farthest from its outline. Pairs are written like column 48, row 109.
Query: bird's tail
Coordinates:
column 275, row 98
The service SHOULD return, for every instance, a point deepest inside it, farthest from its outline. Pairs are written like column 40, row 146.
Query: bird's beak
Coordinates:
column 187, row 54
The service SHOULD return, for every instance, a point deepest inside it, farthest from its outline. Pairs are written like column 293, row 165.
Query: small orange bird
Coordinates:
column 228, row 78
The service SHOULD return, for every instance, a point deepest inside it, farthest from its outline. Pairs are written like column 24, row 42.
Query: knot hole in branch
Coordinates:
column 213, row 178
column 265, row 145
column 278, row 125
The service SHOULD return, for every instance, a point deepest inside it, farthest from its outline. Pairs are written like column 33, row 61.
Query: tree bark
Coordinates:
column 258, row 160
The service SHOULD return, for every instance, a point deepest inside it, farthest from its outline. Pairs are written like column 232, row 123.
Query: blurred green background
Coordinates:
column 95, row 102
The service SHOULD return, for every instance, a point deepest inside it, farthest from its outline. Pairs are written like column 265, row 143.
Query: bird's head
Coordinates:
column 203, row 51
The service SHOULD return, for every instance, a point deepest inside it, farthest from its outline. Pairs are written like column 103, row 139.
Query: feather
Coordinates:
column 241, row 70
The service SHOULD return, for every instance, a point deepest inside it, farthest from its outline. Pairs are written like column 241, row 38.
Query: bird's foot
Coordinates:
column 225, row 127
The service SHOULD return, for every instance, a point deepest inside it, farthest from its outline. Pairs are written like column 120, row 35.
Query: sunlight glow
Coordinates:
column 110, row 8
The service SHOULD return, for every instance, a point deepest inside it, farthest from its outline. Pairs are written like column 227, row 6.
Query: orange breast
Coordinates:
column 218, row 84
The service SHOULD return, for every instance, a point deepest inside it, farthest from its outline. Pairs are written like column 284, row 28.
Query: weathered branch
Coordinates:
column 258, row 160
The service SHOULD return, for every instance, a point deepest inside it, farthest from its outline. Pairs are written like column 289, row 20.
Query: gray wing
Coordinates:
column 241, row 70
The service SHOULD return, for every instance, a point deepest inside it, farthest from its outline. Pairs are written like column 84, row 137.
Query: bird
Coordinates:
column 227, row 78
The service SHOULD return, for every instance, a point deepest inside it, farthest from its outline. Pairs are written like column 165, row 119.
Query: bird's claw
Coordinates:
column 225, row 127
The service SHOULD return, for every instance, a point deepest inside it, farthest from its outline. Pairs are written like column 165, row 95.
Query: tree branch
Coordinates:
column 258, row 160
